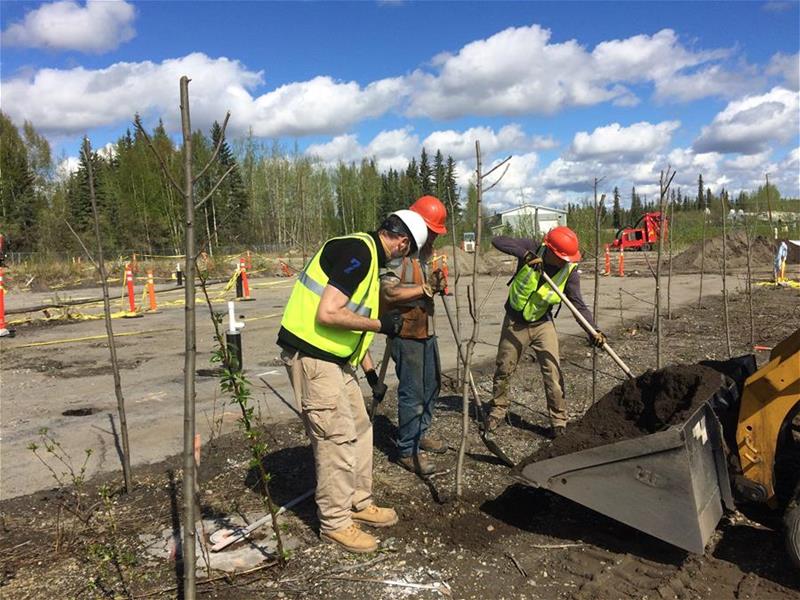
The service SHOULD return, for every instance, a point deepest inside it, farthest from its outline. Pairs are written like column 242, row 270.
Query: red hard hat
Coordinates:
column 564, row 243
column 433, row 211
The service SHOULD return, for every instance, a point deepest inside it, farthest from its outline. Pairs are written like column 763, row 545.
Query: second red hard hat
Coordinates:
column 431, row 209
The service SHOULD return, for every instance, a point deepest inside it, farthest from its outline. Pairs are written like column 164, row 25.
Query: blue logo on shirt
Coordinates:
column 354, row 264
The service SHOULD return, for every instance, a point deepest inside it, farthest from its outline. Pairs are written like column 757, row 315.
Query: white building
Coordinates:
column 530, row 220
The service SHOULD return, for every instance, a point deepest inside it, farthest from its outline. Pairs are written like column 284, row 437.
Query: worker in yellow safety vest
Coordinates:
column 327, row 326
column 529, row 320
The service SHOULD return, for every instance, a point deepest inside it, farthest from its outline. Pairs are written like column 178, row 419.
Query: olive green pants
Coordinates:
column 543, row 339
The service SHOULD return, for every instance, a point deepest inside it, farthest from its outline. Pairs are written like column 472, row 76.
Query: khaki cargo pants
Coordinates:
column 338, row 426
column 542, row 337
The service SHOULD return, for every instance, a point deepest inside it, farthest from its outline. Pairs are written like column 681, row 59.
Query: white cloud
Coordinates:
column 520, row 71
column 320, row 105
column 615, row 142
column 390, row 149
column 750, row 124
column 74, row 100
column 787, row 67
column 97, row 27
column 67, row 167
column 461, row 144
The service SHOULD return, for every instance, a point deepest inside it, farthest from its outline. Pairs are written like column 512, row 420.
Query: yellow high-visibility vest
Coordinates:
column 299, row 317
column 525, row 294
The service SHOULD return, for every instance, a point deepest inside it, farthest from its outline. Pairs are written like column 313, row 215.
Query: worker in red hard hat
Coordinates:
column 529, row 320
column 410, row 288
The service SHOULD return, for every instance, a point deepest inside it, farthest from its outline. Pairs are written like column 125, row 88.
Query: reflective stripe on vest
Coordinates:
column 525, row 294
column 299, row 317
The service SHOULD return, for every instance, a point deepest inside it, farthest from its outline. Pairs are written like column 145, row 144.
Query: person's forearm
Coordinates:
column 397, row 294
column 513, row 246
column 344, row 318
column 366, row 363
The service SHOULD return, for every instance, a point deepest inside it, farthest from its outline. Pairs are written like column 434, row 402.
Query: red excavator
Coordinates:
column 646, row 232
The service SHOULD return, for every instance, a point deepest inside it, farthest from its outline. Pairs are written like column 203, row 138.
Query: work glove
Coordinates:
column 378, row 387
column 391, row 323
column 532, row 260
column 598, row 339
column 437, row 281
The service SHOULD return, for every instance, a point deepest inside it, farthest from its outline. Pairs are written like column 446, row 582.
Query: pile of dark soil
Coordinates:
column 637, row 407
column 689, row 260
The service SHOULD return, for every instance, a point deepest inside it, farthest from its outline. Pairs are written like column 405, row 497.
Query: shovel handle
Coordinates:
column 585, row 324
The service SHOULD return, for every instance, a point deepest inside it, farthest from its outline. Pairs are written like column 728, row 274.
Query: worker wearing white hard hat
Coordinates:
column 327, row 327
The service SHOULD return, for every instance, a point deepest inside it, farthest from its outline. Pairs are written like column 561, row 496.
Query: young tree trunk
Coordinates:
column 749, row 241
column 462, row 448
column 670, row 225
column 772, row 229
column 215, row 230
column 595, row 302
column 724, row 210
column 702, row 260
column 664, row 184
column 454, row 285
column 112, row 346
column 189, row 362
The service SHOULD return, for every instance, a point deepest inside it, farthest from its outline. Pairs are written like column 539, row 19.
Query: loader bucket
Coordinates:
column 671, row 484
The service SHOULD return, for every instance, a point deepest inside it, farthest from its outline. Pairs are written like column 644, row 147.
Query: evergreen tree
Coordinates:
column 701, row 204
column 230, row 199
column 451, row 197
column 425, row 175
column 636, row 207
column 17, row 187
column 409, row 185
column 616, row 211
column 440, row 177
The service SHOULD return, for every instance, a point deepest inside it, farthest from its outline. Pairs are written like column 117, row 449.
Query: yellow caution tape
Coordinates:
column 94, row 337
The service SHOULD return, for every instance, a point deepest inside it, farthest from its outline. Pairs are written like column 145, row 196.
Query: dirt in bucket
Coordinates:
column 637, row 407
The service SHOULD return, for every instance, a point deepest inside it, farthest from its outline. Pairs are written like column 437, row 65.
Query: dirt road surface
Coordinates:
column 500, row 540
column 52, row 369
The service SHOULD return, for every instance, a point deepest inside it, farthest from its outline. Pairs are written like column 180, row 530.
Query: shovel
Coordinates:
column 586, row 326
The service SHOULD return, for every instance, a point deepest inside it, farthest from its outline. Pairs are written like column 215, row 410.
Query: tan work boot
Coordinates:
column 433, row 444
column 351, row 538
column 417, row 463
column 375, row 516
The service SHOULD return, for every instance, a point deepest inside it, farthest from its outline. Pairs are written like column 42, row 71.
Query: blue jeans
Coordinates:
column 417, row 367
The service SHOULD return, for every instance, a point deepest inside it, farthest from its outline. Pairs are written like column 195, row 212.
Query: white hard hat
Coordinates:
column 416, row 227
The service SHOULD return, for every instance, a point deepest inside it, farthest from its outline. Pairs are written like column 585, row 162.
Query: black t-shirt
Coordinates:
column 346, row 262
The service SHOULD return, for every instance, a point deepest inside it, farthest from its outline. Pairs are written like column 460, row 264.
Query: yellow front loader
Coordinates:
column 739, row 449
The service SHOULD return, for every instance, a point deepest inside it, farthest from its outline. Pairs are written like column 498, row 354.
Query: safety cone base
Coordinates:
column 245, row 299
column 132, row 315
column 7, row 332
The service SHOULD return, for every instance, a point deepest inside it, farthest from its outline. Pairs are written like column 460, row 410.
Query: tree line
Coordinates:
column 273, row 197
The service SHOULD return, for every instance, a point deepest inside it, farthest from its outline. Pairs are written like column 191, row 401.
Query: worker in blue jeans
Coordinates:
column 410, row 288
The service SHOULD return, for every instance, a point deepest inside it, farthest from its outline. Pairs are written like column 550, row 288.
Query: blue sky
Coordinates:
column 572, row 90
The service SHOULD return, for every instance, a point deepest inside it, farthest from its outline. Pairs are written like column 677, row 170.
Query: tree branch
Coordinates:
column 80, row 241
column 214, row 189
column 494, row 168
column 498, row 179
column 137, row 122
column 216, row 149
